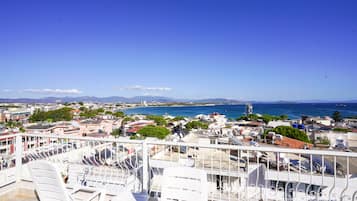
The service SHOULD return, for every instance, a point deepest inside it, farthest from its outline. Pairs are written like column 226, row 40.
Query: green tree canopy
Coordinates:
column 159, row 120
column 178, row 118
column 265, row 117
column 108, row 112
column 290, row 132
column 342, row 130
column 336, row 116
column 154, row 131
column 119, row 114
column 88, row 113
column 116, row 132
column 195, row 125
column 13, row 124
column 63, row 114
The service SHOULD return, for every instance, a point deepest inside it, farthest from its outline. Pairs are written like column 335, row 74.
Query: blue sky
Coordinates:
column 249, row 50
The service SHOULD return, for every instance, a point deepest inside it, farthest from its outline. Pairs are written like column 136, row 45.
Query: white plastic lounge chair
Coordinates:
column 50, row 186
column 184, row 184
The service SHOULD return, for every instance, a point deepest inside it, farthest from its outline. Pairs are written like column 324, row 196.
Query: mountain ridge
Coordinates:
column 150, row 99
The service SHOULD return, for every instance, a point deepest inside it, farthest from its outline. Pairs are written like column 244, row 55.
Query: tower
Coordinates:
column 248, row 109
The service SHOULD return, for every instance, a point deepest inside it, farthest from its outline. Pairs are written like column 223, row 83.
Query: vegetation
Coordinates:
column 195, row 125
column 9, row 106
column 108, row 112
column 159, row 120
column 178, row 118
column 290, row 132
column 88, row 113
column 265, row 117
column 325, row 141
column 13, row 124
column 127, row 119
column 116, row 132
column 63, row 114
column 341, row 130
column 154, row 131
column 80, row 103
column 336, row 116
column 119, row 114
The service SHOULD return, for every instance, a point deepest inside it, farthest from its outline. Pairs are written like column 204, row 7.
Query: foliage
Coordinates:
column 336, row 116
column 82, row 109
column 154, row 131
column 342, row 130
column 159, row 120
column 108, row 112
column 100, row 110
column 63, row 114
column 116, row 132
column 195, row 125
column 352, row 117
column 13, row 124
column 178, row 118
column 80, row 103
column 127, row 119
column 265, row 117
column 119, row 114
column 22, row 129
column 325, row 141
column 290, row 132
column 88, row 113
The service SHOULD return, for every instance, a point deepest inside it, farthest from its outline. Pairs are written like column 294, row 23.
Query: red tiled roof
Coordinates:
column 292, row 143
column 134, row 129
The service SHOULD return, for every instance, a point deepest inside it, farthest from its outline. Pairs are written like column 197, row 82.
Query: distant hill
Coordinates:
column 149, row 99
column 117, row 99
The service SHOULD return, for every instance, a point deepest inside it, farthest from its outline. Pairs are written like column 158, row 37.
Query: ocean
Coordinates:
column 294, row 111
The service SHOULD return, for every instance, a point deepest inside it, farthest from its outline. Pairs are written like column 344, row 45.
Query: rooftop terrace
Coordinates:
column 233, row 172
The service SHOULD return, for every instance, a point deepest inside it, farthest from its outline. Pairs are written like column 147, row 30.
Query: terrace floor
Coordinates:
column 19, row 195
column 25, row 192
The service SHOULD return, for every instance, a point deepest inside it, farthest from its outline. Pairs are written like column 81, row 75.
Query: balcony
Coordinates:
column 233, row 172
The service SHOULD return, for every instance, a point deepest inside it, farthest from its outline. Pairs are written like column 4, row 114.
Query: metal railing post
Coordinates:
column 145, row 167
column 18, row 155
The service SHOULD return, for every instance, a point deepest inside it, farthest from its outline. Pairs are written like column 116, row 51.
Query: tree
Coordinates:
column 116, row 132
column 342, row 130
column 100, row 110
column 119, row 114
column 290, row 132
column 154, row 131
column 108, row 112
column 127, row 119
column 13, row 124
column 80, row 103
column 265, row 117
column 195, row 125
column 178, row 118
column 63, row 114
column 22, row 129
column 159, row 120
column 336, row 116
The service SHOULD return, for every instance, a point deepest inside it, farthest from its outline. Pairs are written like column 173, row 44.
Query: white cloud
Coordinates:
column 54, row 91
column 143, row 88
column 7, row 90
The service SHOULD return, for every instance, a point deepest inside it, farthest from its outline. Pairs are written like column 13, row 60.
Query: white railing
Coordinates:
column 233, row 172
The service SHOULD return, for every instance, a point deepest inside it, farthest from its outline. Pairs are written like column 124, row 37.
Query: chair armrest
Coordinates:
column 94, row 192
column 100, row 194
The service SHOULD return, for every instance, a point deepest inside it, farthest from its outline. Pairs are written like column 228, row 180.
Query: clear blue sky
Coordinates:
column 249, row 50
